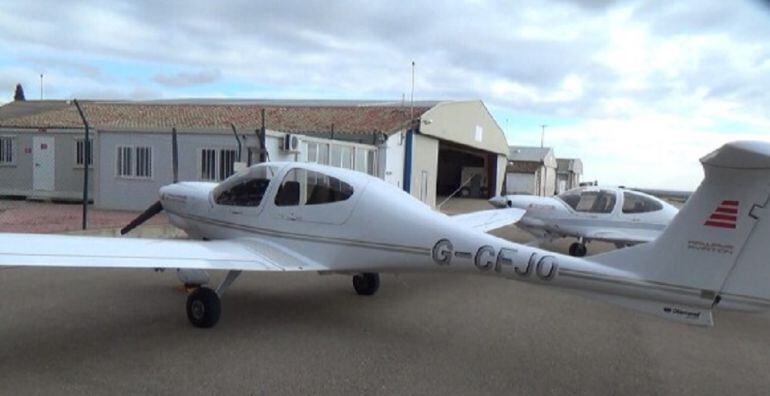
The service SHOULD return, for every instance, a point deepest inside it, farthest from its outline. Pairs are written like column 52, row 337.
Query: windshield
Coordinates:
column 245, row 188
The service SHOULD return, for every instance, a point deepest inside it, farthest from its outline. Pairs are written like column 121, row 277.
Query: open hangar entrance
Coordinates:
column 465, row 171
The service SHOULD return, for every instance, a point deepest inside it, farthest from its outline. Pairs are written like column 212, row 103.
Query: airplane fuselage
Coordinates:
column 382, row 229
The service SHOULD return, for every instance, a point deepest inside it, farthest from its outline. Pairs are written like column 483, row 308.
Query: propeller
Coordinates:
column 154, row 209
column 157, row 207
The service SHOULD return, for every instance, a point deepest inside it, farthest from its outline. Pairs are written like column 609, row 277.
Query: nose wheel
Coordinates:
column 578, row 249
column 366, row 283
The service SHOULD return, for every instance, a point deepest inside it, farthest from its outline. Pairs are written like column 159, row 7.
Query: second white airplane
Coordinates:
column 609, row 214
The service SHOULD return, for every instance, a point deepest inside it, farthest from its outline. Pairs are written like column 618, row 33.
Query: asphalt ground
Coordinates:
column 125, row 332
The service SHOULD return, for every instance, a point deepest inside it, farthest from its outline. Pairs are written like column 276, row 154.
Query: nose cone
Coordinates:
column 180, row 195
column 528, row 202
column 499, row 201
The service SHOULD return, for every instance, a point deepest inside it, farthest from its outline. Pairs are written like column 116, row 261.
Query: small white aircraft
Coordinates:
column 609, row 214
column 304, row 217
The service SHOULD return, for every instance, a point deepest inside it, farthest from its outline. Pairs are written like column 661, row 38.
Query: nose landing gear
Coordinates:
column 578, row 249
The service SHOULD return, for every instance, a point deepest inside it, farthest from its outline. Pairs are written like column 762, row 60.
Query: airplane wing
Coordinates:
column 487, row 220
column 619, row 237
column 246, row 254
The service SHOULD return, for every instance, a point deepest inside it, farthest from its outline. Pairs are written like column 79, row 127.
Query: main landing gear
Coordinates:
column 366, row 283
column 203, row 304
column 578, row 249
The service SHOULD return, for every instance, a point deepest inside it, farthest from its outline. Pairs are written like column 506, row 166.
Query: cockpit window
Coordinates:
column 305, row 187
column 590, row 201
column 636, row 203
column 245, row 188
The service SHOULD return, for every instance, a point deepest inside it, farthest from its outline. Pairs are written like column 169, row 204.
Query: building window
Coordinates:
column 361, row 159
column 371, row 162
column 80, row 152
column 208, row 164
column 226, row 163
column 134, row 162
column 347, row 157
column 323, row 153
column 143, row 162
column 6, row 150
column 217, row 164
column 311, row 149
column 124, row 161
column 335, row 156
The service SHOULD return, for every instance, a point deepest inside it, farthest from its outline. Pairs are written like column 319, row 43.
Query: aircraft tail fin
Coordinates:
column 717, row 248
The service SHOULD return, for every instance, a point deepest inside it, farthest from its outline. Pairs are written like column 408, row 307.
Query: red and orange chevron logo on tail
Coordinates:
column 725, row 215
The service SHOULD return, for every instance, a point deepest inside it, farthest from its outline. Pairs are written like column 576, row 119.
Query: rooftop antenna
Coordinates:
column 542, row 135
column 411, row 106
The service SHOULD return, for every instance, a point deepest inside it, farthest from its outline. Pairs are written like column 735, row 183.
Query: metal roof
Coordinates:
column 528, row 153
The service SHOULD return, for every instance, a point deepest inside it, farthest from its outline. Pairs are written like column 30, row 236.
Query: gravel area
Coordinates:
column 49, row 217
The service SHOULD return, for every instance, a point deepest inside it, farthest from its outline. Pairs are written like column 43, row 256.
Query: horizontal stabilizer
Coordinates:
column 487, row 220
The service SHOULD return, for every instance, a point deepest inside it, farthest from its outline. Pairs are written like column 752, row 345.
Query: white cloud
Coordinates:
column 631, row 72
column 653, row 151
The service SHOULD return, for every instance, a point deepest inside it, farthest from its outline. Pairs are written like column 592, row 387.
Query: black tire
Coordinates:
column 203, row 307
column 577, row 249
column 367, row 283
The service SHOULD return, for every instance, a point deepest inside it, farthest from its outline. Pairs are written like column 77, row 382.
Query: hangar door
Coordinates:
column 465, row 171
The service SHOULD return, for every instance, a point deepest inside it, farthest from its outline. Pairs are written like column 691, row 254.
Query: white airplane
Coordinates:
column 609, row 214
column 303, row 217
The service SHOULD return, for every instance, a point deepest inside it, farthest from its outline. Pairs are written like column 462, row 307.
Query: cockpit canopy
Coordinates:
column 598, row 200
column 298, row 187
column 590, row 200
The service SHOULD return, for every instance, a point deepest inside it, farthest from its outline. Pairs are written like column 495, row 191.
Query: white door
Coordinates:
column 394, row 159
column 43, row 163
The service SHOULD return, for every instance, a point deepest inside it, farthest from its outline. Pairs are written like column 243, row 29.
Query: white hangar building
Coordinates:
column 531, row 170
column 428, row 149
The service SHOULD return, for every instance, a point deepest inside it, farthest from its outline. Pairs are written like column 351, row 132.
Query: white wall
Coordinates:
column 424, row 168
column 113, row 192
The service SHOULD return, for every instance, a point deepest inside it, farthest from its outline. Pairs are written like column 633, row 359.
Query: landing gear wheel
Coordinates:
column 203, row 307
column 367, row 283
column 577, row 249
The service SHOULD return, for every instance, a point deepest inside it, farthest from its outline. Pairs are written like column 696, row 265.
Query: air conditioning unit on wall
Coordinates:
column 291, row 143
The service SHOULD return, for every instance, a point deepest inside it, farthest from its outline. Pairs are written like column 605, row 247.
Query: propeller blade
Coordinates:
column 174, row 155
column 156, row 208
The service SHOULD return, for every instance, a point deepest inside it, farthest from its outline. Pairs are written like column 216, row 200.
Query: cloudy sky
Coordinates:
column 638, row 89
